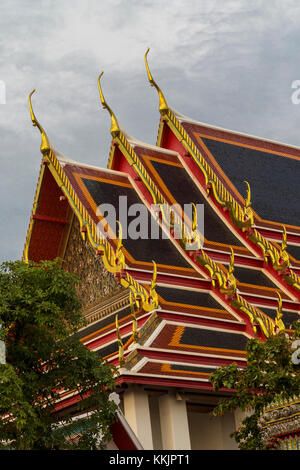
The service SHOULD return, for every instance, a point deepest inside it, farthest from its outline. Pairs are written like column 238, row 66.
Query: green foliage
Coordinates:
column 40, row 314
column 269, row 373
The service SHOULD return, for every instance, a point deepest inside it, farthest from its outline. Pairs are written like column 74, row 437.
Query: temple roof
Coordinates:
column 186, row 311
column 263, row 235
column 271, row 168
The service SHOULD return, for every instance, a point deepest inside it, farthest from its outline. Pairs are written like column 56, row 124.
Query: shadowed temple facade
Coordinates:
column 165, row 314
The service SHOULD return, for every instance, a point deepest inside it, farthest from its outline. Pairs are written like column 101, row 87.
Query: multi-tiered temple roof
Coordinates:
column 181, row 312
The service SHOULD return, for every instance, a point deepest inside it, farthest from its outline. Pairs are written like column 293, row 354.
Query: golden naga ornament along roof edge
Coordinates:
column 116, row 266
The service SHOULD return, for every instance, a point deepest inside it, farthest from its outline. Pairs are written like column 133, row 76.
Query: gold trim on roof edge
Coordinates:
column 33, row 211
column 121, row 140
column 110, row 259
column 226, row 283
column 255, row 315
column 242, row 218
column 113, row 261
column 267, row 325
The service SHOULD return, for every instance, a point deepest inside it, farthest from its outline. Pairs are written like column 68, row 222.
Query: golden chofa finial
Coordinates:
column 115, row 129
column 248, row 212
column 229, row 285
column 45, row 146
column 163, row 105
column 248, row 196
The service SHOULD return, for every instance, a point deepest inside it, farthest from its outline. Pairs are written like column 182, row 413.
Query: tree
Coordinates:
column 40, row 315
column 271, row 372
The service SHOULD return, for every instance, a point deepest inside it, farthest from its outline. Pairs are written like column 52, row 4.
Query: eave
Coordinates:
column 220, row 197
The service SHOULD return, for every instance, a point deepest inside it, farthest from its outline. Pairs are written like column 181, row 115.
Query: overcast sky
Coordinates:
column 229, row 63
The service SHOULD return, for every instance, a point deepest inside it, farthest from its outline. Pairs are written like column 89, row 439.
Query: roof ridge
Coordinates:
column 181, row 117
column 237, row 213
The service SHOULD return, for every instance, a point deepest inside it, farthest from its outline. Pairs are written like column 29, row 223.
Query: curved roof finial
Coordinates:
column 115, row 129
column 163, row 105
column 45, row 145
column 248, row 212
column 248, row 197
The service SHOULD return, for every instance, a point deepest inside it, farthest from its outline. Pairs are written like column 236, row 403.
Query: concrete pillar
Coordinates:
column 174, row 422
column 136, row 411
